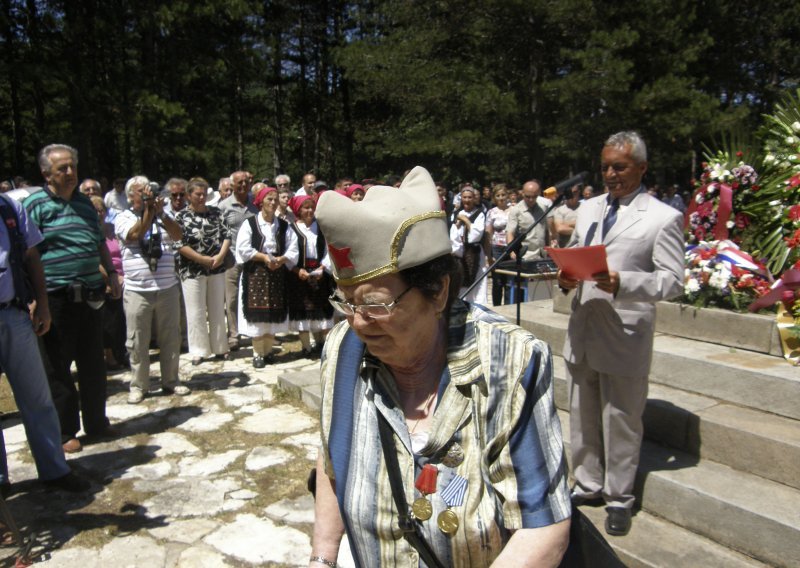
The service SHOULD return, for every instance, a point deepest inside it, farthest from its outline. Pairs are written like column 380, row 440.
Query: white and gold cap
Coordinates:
column 390, row 230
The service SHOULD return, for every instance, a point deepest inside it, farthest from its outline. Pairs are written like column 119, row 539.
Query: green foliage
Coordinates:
column 482, row 90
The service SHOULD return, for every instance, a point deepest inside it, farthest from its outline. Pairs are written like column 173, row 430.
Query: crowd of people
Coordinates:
column 111, row 273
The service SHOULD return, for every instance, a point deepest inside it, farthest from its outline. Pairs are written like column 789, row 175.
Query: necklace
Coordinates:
column 426, row 410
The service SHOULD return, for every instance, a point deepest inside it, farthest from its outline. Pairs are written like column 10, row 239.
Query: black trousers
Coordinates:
column 76, row 334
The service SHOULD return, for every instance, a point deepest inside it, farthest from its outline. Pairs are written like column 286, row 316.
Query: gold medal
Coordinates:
column 448, row 522
column 422, row 509
column 455, row 455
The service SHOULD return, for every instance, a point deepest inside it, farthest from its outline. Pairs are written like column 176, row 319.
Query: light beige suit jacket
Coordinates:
column 645, row 246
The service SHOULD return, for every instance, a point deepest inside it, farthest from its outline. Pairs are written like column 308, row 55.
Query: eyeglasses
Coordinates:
column 282, row 184
column 371, row 311
column 176, row 195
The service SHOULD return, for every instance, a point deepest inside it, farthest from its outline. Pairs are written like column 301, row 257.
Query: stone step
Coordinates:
column 747, row 378
column 749, row 440
column 303, row 386
column 656, row 543
column 753, row 332
column 754, row 516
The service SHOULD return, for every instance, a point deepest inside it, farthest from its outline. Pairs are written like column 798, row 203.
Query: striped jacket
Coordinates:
column 495, row 402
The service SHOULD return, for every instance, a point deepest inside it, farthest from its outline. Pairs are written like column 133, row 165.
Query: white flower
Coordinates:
column 790, row 140
column 730, row 224
column 719, row 278
column 769, row 158
column 698, row 199
column 692, row 286
column 711, row 188
column 796, row 126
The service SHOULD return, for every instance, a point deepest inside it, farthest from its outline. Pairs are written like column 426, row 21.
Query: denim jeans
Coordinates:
column 19, row 357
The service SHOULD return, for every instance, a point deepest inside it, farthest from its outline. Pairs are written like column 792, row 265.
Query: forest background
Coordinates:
column 491, row 90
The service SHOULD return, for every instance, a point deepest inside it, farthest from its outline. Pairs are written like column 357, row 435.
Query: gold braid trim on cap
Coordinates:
column 393, row 259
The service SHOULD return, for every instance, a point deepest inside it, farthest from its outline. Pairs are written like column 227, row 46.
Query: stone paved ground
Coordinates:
column 217, row 478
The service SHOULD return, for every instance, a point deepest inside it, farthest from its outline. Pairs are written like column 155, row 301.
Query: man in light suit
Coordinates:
column 609, row 341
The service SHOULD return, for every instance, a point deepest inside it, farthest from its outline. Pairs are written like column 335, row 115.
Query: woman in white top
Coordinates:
column 310, row 281
column 267, row 247
column 496, row 221
column 466, row 240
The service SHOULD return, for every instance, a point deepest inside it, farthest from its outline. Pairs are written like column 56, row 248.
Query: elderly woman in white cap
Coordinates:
column 440, row 440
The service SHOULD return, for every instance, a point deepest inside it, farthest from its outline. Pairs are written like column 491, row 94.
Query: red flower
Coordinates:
column 706, row 254
column 794, row 241
column 794, row 181
column 699, row 233
column 739, row 154
column 755, row 187
column 738, row 272
column 705, row 209
column 741, row 220
column 735, row 185
column 794, row 213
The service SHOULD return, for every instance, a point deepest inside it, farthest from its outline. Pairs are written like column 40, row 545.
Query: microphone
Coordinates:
column 560, row 189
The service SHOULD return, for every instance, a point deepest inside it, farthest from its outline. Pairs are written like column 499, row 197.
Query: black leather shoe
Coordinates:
column 258, row 362
column 69, row 482
column 618, row 521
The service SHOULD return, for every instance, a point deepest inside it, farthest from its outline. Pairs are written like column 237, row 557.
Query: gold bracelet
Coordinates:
column 323, row 560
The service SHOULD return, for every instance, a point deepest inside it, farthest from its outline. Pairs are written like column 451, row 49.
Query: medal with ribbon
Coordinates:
column 453, row 496
column 425, row 484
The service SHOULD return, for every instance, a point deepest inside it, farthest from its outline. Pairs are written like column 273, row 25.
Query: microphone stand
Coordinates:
column 512, row 246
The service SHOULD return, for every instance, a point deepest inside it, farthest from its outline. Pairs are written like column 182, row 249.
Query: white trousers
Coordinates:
column 205, row 315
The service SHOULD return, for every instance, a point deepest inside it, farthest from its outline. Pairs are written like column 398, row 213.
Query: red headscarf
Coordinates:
column 262, row 195
column 297, row 201
column 353, row 188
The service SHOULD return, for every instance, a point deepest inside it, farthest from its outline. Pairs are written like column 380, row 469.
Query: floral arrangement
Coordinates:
column 773, row 231
column 725, row 186
column 719, row 274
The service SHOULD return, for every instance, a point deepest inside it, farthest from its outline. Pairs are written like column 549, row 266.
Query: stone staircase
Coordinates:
column 719, row 479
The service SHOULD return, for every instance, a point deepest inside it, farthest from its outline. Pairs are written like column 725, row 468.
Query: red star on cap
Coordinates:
column 341, row 257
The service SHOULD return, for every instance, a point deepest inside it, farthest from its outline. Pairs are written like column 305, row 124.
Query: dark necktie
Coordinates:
column 611, row 217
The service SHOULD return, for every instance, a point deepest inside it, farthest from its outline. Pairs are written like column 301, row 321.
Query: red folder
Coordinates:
column 580, row 263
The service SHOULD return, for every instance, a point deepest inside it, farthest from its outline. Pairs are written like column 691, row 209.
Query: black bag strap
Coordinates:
column 407, row 524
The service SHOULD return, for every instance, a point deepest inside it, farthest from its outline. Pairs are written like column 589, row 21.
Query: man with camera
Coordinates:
column 72, row 253
column 146, row 235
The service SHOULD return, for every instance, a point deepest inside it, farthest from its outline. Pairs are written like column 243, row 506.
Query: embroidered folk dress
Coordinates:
column 495, row 402
column 245, row 252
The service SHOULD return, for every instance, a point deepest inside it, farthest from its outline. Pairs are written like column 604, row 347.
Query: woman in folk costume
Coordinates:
column 466, row 239
column 267, row 246
column 310, row 283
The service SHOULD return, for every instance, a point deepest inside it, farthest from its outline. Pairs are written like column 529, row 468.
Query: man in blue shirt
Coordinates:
column 19, row 353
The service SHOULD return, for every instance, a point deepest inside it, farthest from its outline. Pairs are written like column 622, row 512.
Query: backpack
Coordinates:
column 23, row 291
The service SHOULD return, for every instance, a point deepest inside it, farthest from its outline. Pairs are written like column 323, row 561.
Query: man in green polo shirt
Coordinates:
column 73, row 252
